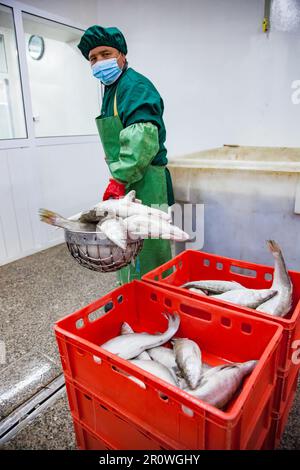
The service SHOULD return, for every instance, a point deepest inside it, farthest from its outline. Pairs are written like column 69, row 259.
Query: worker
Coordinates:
column 133, row 133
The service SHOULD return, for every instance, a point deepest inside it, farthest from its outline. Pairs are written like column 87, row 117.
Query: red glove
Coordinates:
column 114, row 190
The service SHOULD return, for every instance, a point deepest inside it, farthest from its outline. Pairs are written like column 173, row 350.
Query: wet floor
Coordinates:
column 34, row 293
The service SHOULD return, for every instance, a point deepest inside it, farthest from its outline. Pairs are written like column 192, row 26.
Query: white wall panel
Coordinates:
column 65, row 175
column 223, row 81
column 11, row 238
column 63, row 178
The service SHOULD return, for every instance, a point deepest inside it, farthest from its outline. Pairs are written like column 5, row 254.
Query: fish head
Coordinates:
column 248, row 366
column 105, row 209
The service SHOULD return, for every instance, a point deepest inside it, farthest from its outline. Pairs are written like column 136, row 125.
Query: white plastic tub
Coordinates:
column 250, row 194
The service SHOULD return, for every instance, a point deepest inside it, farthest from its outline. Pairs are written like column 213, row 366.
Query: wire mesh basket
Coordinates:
column 100, row 254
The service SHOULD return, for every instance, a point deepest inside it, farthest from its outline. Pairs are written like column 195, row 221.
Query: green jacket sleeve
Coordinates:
column 138, row 146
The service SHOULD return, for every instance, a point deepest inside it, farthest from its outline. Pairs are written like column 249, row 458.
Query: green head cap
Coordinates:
column 98, row 36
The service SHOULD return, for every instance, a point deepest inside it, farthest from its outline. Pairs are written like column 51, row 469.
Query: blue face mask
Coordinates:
column 107, row 71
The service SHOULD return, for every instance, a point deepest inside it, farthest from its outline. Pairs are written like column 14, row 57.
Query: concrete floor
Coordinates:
column 34, row 293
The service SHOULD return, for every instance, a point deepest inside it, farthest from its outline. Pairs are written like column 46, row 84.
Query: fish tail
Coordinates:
column 174, row 321
column 49, row 217
column 273, row 246
column 280, row 273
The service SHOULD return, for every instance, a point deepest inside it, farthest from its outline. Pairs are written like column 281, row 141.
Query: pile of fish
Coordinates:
column 120, row 220
column 276, row 301
column 182, row 365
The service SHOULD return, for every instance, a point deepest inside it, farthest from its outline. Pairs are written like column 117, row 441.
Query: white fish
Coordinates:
column 127, row 330
column 163, row 355
column 91, row 216
column 250, row 298
column 131, row 346
column 115, row 230
column 143, row 226
column 125, row 207
column 281, row 304
column 157, row 369
column 182, row 383
column 213, row 287
column 52, row 218
column 218, row 387
column 189, row 360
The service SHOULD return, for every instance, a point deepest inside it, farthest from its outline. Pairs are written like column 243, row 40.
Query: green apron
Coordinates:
column 151, row 189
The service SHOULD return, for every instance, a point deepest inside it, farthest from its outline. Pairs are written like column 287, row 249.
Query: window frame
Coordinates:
column 18, row 8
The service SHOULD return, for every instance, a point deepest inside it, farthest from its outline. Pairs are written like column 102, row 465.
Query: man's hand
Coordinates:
column 114, row 190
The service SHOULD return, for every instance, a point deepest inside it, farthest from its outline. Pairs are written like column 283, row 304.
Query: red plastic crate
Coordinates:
column 87, row 440
column 105, row 424
column 279, row 420
column 193, row 265
column 223, row 337
column 284, row 387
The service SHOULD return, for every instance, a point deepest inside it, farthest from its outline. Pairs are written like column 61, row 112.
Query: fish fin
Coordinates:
column 216, row 369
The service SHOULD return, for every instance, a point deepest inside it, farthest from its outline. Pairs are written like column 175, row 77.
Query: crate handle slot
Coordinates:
column 96, row 314
column 132, row 378
column 197, row 312
column 246, row 328
column 165, row 274
column 225, row 321
column 243, row 271
column 187, row 411
column 79, row 323
column 163, row 397
column 97, row 359
column 80, row 352
column 104, row 407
